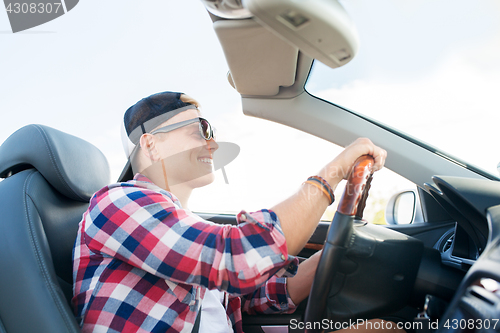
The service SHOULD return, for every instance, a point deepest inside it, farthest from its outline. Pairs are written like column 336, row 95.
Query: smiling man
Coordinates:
column 143, row 262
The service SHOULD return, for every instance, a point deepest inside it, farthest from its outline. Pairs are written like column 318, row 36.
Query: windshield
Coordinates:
column 427, row 68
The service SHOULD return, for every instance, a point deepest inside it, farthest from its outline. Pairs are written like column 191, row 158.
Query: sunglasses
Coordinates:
column 206, row 130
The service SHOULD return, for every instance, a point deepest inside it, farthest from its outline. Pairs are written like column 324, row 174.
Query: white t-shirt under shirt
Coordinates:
column 213, row 315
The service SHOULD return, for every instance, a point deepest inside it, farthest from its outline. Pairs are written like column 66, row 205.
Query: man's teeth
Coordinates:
column 205, row 160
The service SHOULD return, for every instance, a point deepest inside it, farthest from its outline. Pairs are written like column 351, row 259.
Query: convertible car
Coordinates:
column 435, row 266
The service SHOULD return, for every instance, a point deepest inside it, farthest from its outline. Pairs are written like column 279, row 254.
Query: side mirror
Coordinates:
column 403, row 208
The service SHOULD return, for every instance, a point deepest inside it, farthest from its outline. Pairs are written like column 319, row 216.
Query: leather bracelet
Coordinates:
column 323, row 185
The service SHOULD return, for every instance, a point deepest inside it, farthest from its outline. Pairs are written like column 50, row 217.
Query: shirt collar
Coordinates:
column 152, row 186
column 141, row 178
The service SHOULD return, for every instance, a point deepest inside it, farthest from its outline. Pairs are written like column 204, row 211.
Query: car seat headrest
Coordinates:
column 74, row 167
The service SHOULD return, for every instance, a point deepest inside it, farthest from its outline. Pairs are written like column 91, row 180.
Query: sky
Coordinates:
column 428, row 68
column 81, row 71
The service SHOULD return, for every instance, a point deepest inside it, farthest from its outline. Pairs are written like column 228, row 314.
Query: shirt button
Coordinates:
column 283, row 257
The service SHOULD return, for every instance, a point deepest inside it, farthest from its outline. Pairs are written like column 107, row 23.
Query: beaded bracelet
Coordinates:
column 323, row 185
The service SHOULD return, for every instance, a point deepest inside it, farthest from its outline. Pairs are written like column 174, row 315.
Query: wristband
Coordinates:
column 323, row 185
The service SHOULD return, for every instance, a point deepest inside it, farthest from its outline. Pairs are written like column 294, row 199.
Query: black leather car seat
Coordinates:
column 49, row 179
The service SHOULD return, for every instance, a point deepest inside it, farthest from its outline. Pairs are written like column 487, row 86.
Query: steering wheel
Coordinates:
column 351, row 205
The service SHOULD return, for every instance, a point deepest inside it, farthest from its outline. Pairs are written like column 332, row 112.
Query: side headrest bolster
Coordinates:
column 74, row 167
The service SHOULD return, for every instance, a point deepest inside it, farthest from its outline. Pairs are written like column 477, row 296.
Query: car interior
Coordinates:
column 442, row 270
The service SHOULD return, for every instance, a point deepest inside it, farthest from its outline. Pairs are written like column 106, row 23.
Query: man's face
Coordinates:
column 186, row 155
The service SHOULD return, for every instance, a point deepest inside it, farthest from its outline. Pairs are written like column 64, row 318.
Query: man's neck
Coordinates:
column 182, row 192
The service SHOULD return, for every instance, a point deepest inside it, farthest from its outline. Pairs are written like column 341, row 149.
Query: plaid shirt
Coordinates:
column 141, row 263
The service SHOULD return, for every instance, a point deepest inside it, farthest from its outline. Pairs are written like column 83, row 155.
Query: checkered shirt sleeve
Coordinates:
column 272, row 297
column 142, row 263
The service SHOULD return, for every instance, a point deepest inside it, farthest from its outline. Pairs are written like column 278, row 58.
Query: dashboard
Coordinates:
column 472, row 246
column 466, row 201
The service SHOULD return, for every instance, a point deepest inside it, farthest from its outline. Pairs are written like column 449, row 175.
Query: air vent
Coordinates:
column 448, row 243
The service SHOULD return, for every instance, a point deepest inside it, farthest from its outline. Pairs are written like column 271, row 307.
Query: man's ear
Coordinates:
column 148, row 147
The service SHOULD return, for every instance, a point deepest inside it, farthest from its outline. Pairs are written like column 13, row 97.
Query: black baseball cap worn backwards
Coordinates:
column 143, row 117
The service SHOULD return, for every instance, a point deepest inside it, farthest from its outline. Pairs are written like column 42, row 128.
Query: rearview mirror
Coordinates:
column 322, row 29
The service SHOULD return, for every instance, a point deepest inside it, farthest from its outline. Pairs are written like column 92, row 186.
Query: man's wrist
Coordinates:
column 333, row 174
column 323, row 185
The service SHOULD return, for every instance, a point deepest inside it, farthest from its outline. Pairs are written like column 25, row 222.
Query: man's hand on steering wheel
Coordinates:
column 340, row 232
column 340, row 167
column 299, row 214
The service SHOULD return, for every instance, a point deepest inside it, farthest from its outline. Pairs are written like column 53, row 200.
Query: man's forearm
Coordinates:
column 299, row 286
column 300, row 214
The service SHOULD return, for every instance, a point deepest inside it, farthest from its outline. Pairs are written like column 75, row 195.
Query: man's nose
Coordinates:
column 212, row 145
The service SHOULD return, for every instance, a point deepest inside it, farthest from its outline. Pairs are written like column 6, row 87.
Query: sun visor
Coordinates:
column 259, row 61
